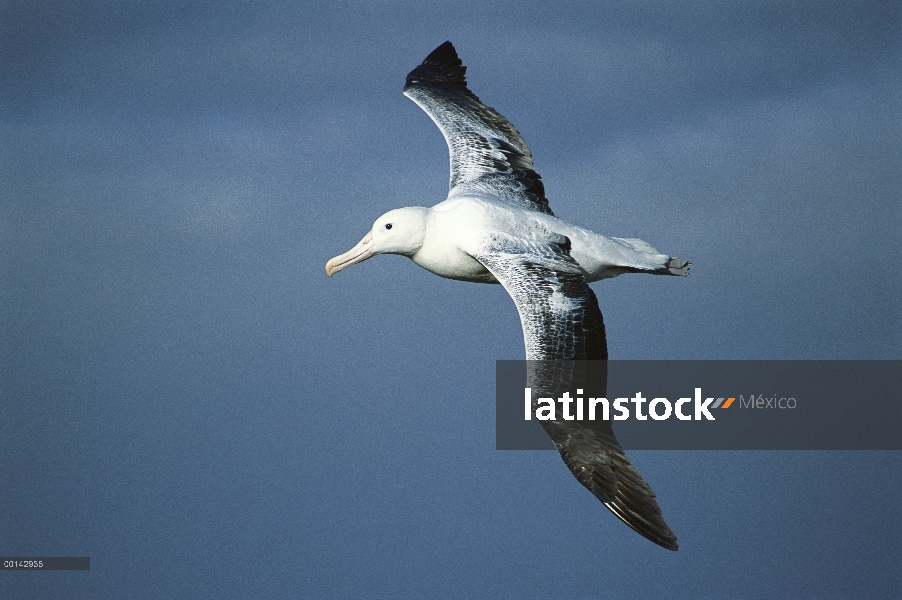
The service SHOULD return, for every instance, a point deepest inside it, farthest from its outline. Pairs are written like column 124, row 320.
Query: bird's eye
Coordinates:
column 388, row 225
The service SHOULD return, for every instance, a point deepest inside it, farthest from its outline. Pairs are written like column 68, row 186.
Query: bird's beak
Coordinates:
column 359, row 253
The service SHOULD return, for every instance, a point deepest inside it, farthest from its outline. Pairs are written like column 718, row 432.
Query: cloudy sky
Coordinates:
column 186, row 398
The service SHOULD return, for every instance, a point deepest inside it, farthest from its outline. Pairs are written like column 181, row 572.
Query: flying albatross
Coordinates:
column 496, row 227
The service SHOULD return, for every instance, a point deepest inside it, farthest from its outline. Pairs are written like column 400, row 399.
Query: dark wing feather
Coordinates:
column 563, row 325
column 488, row 155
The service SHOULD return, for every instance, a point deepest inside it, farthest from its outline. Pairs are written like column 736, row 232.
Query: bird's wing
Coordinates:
column 488, row 155
column 562, row 324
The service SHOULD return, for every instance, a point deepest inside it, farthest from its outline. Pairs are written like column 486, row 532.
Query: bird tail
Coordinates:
column 649, row 260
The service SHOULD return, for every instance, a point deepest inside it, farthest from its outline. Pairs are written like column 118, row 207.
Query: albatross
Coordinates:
column 496, row 226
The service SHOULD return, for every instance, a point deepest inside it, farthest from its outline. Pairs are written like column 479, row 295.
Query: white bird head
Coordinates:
column 399, row 231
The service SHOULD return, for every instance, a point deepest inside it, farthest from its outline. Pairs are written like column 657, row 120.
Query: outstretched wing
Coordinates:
column 562, row 324
column 488, row 155
column 596, row 459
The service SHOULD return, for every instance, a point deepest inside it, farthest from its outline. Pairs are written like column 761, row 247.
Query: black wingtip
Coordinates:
column 442, row 67
column 651, row 526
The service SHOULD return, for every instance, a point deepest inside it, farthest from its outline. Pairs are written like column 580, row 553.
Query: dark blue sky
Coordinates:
column 186, row 398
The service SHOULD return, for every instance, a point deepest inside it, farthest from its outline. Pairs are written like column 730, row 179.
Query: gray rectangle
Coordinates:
column 777, row 405
column 45, row 563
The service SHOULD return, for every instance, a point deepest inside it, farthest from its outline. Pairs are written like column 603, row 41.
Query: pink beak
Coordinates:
column 359, row 253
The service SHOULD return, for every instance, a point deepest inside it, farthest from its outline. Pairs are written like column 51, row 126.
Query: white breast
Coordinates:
column 450, row 224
